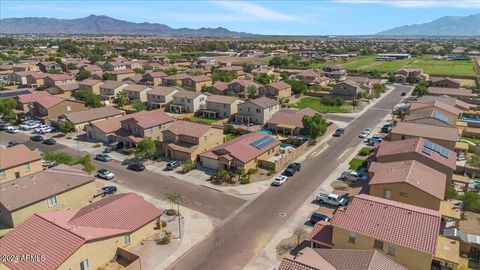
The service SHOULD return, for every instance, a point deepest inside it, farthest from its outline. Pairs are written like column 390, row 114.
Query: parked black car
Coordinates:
column 316, row 217
column 109, row 190
column 292, row 169
column 338, row 132
column 12, row 143
column 138, row 167
column 386, row 128
column 49, row 141
column 36, row 138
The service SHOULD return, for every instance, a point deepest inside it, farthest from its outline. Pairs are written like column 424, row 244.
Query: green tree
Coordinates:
column 86, row 161
column 139, row 105
column 354, row 104
column 107, row 76
column 89, row 98
column 471, row 201
column 6, row 108
column 252, row 91
column 264, row 78
column 84, row 74
column 138, row 70
column 327, row 101
column 298, row 87
column 175, row 198
column 339, row 102
column 122, row 99
column 66, row 127
column 71, row 66
column 474, row 160
column 421, row 89
column 313, row 126
column 451, row 193
column 205, row 88
column 54, row 71
column 171, row 71
column 391, row 78
column 224, row 76
column 146, row 148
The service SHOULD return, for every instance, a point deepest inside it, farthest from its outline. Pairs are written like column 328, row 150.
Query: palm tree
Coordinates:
column 122, row 99
column 175, row 198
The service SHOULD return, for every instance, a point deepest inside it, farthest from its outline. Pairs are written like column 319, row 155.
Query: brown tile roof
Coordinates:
column 41, row 185
column 410, row 172
column 112, row 84
column 432, row 132
column 65, row 231
column 435, row 104
column 30, row 98
column 181, row 76
column 307, row 73
column 90, row 82
column 68, row 87
column 245, row 83
column 60, row 77
column 136, row 87
column 122, row 71
column 240, row 148
column 290, row 117
column 17, row 155
column 322, row 232
column 157, row 74
column 280, row 85
column 397, row 223
column 438, row 79
column 150, row 118
column 92, row 114
column 188, row 128
column 38, row 75
column 222, row 99
column 446, row 99
column 264, row 102
column 460, row 92
column 201, row 78
column 111, row 125
column 162, row 90
column 221, row 86
column 414, row 145
column 187, row 94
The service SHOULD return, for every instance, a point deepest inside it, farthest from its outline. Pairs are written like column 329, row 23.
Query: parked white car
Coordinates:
column 280, row 180
column 331, row 199
column 29, row 125
column 43, row 129
column 11, row 129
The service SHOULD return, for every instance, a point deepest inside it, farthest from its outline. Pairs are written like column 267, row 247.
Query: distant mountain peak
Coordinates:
column 101, row 24
column 444, row 26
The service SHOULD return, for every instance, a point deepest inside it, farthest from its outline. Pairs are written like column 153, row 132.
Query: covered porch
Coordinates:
column 209, row 114
column 176, row 108
column 286, row 130
column 243, row 118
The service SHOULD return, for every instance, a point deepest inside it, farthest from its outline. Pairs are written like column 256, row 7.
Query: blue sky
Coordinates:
column 328, row 17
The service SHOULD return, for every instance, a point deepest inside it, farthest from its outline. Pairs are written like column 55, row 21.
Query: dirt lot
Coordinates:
column 472, row 224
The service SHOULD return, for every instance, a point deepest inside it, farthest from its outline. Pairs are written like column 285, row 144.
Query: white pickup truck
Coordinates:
column 332, row 199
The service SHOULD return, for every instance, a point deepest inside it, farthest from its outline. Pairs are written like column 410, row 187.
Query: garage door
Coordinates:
column 209, row 163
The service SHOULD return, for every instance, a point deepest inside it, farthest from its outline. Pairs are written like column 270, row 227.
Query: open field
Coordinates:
column 445, row 67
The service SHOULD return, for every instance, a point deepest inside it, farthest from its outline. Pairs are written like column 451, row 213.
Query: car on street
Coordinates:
column 27, row 125
column 43, row 129
column 280, row 180
column 49, row 163
column 331, row 199
column 364, row 134
column 353, row 176
column 105, row 174
column 36, row 138
column 103, row 157
column 292, row 169
column 375, row 141
column 316, row 217
column 386, row 128
column 137, row 167
column 12, row 130
column 109, row 190
column 338, row 132
column 49, row 141
column 172, row 165
column 3, row 126
column 12, row 143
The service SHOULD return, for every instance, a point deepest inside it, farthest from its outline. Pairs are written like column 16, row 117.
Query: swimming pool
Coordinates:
column 284, row 145
column 265, row 131
column 471, row 120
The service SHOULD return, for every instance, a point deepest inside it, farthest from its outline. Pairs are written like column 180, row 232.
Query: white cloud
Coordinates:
column 418, row 3
column 253, row 11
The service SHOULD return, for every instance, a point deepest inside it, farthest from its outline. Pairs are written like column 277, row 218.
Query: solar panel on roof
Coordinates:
column 428, row 144
column 262, row 142
column 444, row 152
column 427, row 151
column 440, row 116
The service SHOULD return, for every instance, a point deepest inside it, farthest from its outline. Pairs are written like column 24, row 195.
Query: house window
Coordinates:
column 258, row 110
column 404, row 194
column 126, row 239
column 84, row 265
column 2, row 174
column 26, row 167
column 391, row 250
column 52, row 201
column 387, row 193
column 69, row 108
column 352, row 237
column 205, row 138
column 378, row 244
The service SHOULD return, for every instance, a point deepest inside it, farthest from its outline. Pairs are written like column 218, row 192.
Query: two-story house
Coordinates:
column 161, row 96
column 91, row 85
column 444, row 136
column 257, row 111
column 52, row 80
column 36, row 80
column 154, row 78
column 336, row 72
column 349, row 89
column 196, row 83
column 81, row 119
column 174, row 80
column 19, row 77
column 239, row 87
column 57, row 188
column 110, row 89
column 184, row 140
column 137, row 92
column 113, row 66
column 277, row 90
column 218, row 106
column 18, row 161
column 187, row 102
column 414, row 75
column 46, row 66
column 122, row 74
column 444, row 82
column 436, row 114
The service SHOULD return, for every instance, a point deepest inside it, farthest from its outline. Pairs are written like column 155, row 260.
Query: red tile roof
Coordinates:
column 151, row 118
column 17, row 155
column 30, row 98
column 60, row 77
column 460, row 92
column 410, row 172
column 322, row 232
column 435, row 104
column 398, row 223
column 290, row 117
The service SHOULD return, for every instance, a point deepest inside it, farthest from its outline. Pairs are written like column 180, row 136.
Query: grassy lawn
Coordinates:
column 445, row 67
column 473, row 140
column 202, row 120
column 229, row 137
column 359, row 62
column 314, row 104
column 356, row 163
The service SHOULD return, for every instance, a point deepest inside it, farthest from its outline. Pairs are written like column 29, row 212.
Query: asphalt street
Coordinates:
column 235, row 243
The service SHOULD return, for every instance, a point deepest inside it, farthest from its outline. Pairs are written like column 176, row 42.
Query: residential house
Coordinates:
column 184, row 140
column 137, row 92
column 405, row 233
column 135, row 127
column 93, row 69
column 219, row 88
column 257, row 111
column 218, row 106
column 308, row 76
column 102, row 232
column 82, row 118
column 54, row 189
column 52, row 80
column 114, row 66
column 415, row 75
column 408, row 182
column 36, row 80
column 187, row 102
column 105, row 131
column 351, row 90
column 91, row 85
column 154, row 78
column 444, row 136
column 110, row 89
column 336, row 72
column 25, row 67
column 239, row 87
column 463, row 94
column 277, row 90
column 122, row 74
column 242, row 152
column 151, row 66
column 289, row 121
column 436, row 113
column 25, row 102
column 444, row 82
column 47, row 66
column 196, row 83
column 461, row 105
column 161, row 96
column 174, row 80
column 20, row 77
column 66, row 89
column 18, row 161
column 338, row 259
column 137, row 79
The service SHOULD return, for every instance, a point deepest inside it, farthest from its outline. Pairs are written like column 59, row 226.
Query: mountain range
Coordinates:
column 94, row 24
column 444, row 26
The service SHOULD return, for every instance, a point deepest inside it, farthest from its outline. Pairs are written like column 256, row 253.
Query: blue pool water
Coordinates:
column 265, row 131
column 284, row 145
column 471, row 120
column 474, row 183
